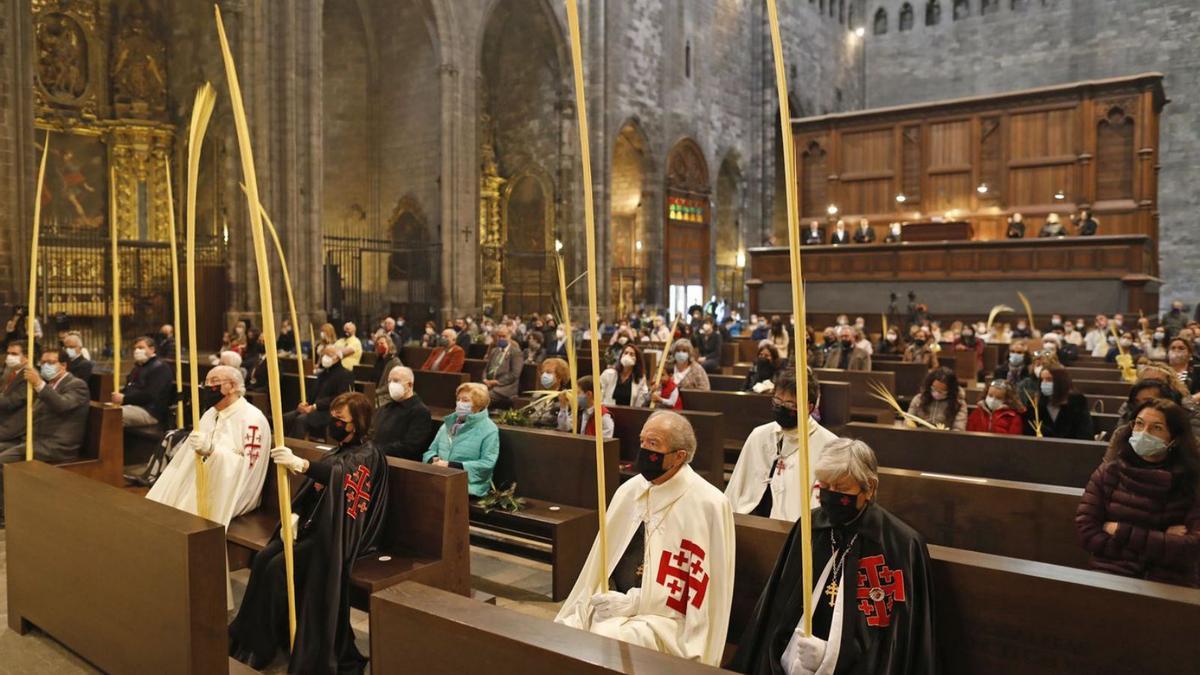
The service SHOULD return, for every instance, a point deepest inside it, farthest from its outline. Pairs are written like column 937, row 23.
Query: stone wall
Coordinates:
column 1045, row 42
column 17, row 168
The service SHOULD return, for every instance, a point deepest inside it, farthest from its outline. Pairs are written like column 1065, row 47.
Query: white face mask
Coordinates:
column 326, row 361
column 397, row 390
column 139, row 355
column 560, row 333
column 628, row 360
column 72, row 353
column 993, row 403
column 939, row 395
column 12, row 361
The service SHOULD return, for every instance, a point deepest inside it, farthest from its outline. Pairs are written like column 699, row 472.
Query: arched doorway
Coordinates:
column 730, row 257
column 627, row 218
column 527, row 213
column 687, row 217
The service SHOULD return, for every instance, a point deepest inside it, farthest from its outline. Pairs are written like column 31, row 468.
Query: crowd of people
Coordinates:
column 1084, row 224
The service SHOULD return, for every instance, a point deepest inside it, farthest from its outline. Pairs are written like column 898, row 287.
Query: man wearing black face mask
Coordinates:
column 873, row 582
column 764, row 481
column 844, row 355
column 670, row 555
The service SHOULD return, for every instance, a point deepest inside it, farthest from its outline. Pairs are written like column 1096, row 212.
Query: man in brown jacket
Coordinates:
column 844, row 355
column 447, row 357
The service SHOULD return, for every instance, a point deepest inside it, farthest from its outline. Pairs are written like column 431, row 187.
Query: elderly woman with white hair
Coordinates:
column 231, row 441
column 670, row 554
column 873, row 599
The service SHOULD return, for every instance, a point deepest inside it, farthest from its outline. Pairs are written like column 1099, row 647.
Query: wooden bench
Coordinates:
column 102, row 457
column 1102, row 388
column 437, row 389
column 1109, row 374
column 709, row 460
column 908, row 376
column 474, row 369
column 415, row 356
column 864, row 407
column 726, row 382
column 417, row 629
column 1051, row 461
column 131, row 585
column 100, row 386
column 425, row 532
column 997, row 615
column 555, row 473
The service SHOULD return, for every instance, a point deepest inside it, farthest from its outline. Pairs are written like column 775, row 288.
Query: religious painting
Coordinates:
column 62, row 57
column 75, row 193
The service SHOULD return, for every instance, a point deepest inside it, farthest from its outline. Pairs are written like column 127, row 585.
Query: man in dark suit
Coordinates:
column 708, row 345
column 333, row 379
column 404, row 427
column 60, row 415
column 12, row 393
column 78, row 365
column 1016, row 227
column 149, row 390
column 865, row 234
column 813, row 235
column 840, row 235
column 464, row 336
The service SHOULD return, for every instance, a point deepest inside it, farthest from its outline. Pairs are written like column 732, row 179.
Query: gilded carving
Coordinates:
column 139, row 82
column 62, row 58
column 491, row 234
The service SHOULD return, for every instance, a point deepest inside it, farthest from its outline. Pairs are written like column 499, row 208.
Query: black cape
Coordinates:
column 340, row 521
column 881, row 634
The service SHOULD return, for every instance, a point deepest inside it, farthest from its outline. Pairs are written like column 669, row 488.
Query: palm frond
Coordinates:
column 881, row 392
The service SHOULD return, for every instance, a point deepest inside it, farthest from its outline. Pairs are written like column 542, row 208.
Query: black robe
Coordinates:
column 341, row 508
column 883, row 635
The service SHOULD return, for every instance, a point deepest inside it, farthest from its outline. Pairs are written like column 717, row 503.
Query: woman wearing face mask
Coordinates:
column 386, row 358
column 1140, row 513
column 554, row 375
column 1154, row 344
column 1126, row 345
column 1017, row 370
column 891, row 344
column 535, row 351
column 766, row 366
column 686, row 372
column 968, row 342
column 240, row 337
column 1062, row 411
column 468, row 439
column 998, row 413
column 941, row 401
column 625, row 382
column 850, row 533
column 1179, row 356
column 325, row 337
column 922, row 349
column 329, row 538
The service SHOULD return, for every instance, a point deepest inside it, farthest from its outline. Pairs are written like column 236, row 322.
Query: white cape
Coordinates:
column 239, row 437
column 749, row 479
column 687, row 591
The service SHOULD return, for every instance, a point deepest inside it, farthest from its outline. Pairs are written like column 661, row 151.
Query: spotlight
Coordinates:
column 900, row 198
column 832, row 210
column 982, row 189
column 860, row 31
column 741, row 260
column 1059, row 196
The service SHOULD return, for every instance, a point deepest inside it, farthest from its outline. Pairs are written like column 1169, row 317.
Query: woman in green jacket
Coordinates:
column 468, row 440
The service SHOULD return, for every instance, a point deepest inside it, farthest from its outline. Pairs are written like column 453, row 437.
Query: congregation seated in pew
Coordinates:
column 873, row 593
column 555, row 376
column 670, row 554
column 767, row 363
column 468, row 439
column 624, row 383
column 403, row 426
column 1060, row 411
column 336, row 517
column 585, row 396
column 1000, row 412
column 60, row 411
column 447, row 356
column 387, row 357
column 941, row 401
column 149, row 388
column 764, row 481
column 79, row 361
column 502, row 372
column 333, row 380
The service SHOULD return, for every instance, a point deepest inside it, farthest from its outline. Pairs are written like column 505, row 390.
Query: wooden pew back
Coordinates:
column 100, row 386
column 1102, row 387
column 860, row 384
column 474, row 368
column 72, row 545
column 555, row 466
column 1050, row 461
column 103, row 455
column 437, row 389
column 709, row 461
column 909, row 376
column 726, row 382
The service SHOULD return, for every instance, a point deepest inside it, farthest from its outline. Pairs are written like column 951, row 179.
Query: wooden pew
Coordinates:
column 709, row 461
column 476, row 350
column 1051, row 461
column 425, row 529
column 415, row 356
column 530, row 378
column 729, row 354
column 726, row 382
column 474, row 368
column 909, row 376
column 964, row 363
column 100, row 385
column 103, row 455
column 1103, row 388
column 997, row 615
column 555, row 473
column 437, row 389
column 418, row 629
column 863, row 406
column 743, row 412
column 1018, row 520
column 131, row 585
column 1110, row 374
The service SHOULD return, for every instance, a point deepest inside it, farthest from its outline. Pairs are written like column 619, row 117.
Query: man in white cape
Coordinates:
column 231, row 440
column 670, row 555
column 770, row 458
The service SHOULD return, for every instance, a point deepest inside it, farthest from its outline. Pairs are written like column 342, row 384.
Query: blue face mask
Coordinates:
column 502, row 343
column 1016, row 359
column 583, row 401
column 1047, row 389
column 463, row 408
column 682, row 357
column 547, row 380
column 49, row 371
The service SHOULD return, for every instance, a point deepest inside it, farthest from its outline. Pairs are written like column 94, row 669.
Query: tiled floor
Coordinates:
column 518, row 584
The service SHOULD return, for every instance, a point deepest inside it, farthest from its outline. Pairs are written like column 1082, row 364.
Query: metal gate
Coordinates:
column 530, row 281
column 366, row 279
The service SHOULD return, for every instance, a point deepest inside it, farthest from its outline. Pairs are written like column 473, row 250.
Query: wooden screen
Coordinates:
column 688, row 216
column 1042, row 151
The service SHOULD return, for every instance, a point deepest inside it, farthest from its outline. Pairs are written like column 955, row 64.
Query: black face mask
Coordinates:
column 786, row 417
column 919, row 342
column 846, row 344
column 839, row 506
column 650, row 464
column 829, row 340
column 765, row 364
column 337, row 430
column 210, row 396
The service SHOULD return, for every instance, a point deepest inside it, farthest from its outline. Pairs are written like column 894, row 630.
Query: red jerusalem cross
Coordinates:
column 878, row 589
column 688, row 579
column 358, row 493
column 251, row 445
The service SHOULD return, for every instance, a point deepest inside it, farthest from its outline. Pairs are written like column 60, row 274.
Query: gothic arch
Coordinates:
column 881, row 21
column 688, row 218
column 906, row 17
column 933, row 13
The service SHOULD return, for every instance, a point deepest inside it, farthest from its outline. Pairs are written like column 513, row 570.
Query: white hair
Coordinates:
column 847, row 457
column 406, row 373
column 680, row 435
column 233, row 374
column 229, row 358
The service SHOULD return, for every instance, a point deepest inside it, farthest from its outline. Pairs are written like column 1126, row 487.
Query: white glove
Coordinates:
column 283, row 456
column 804, row 654
column 614, row 603
column 295, row 523
column 195, row 443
